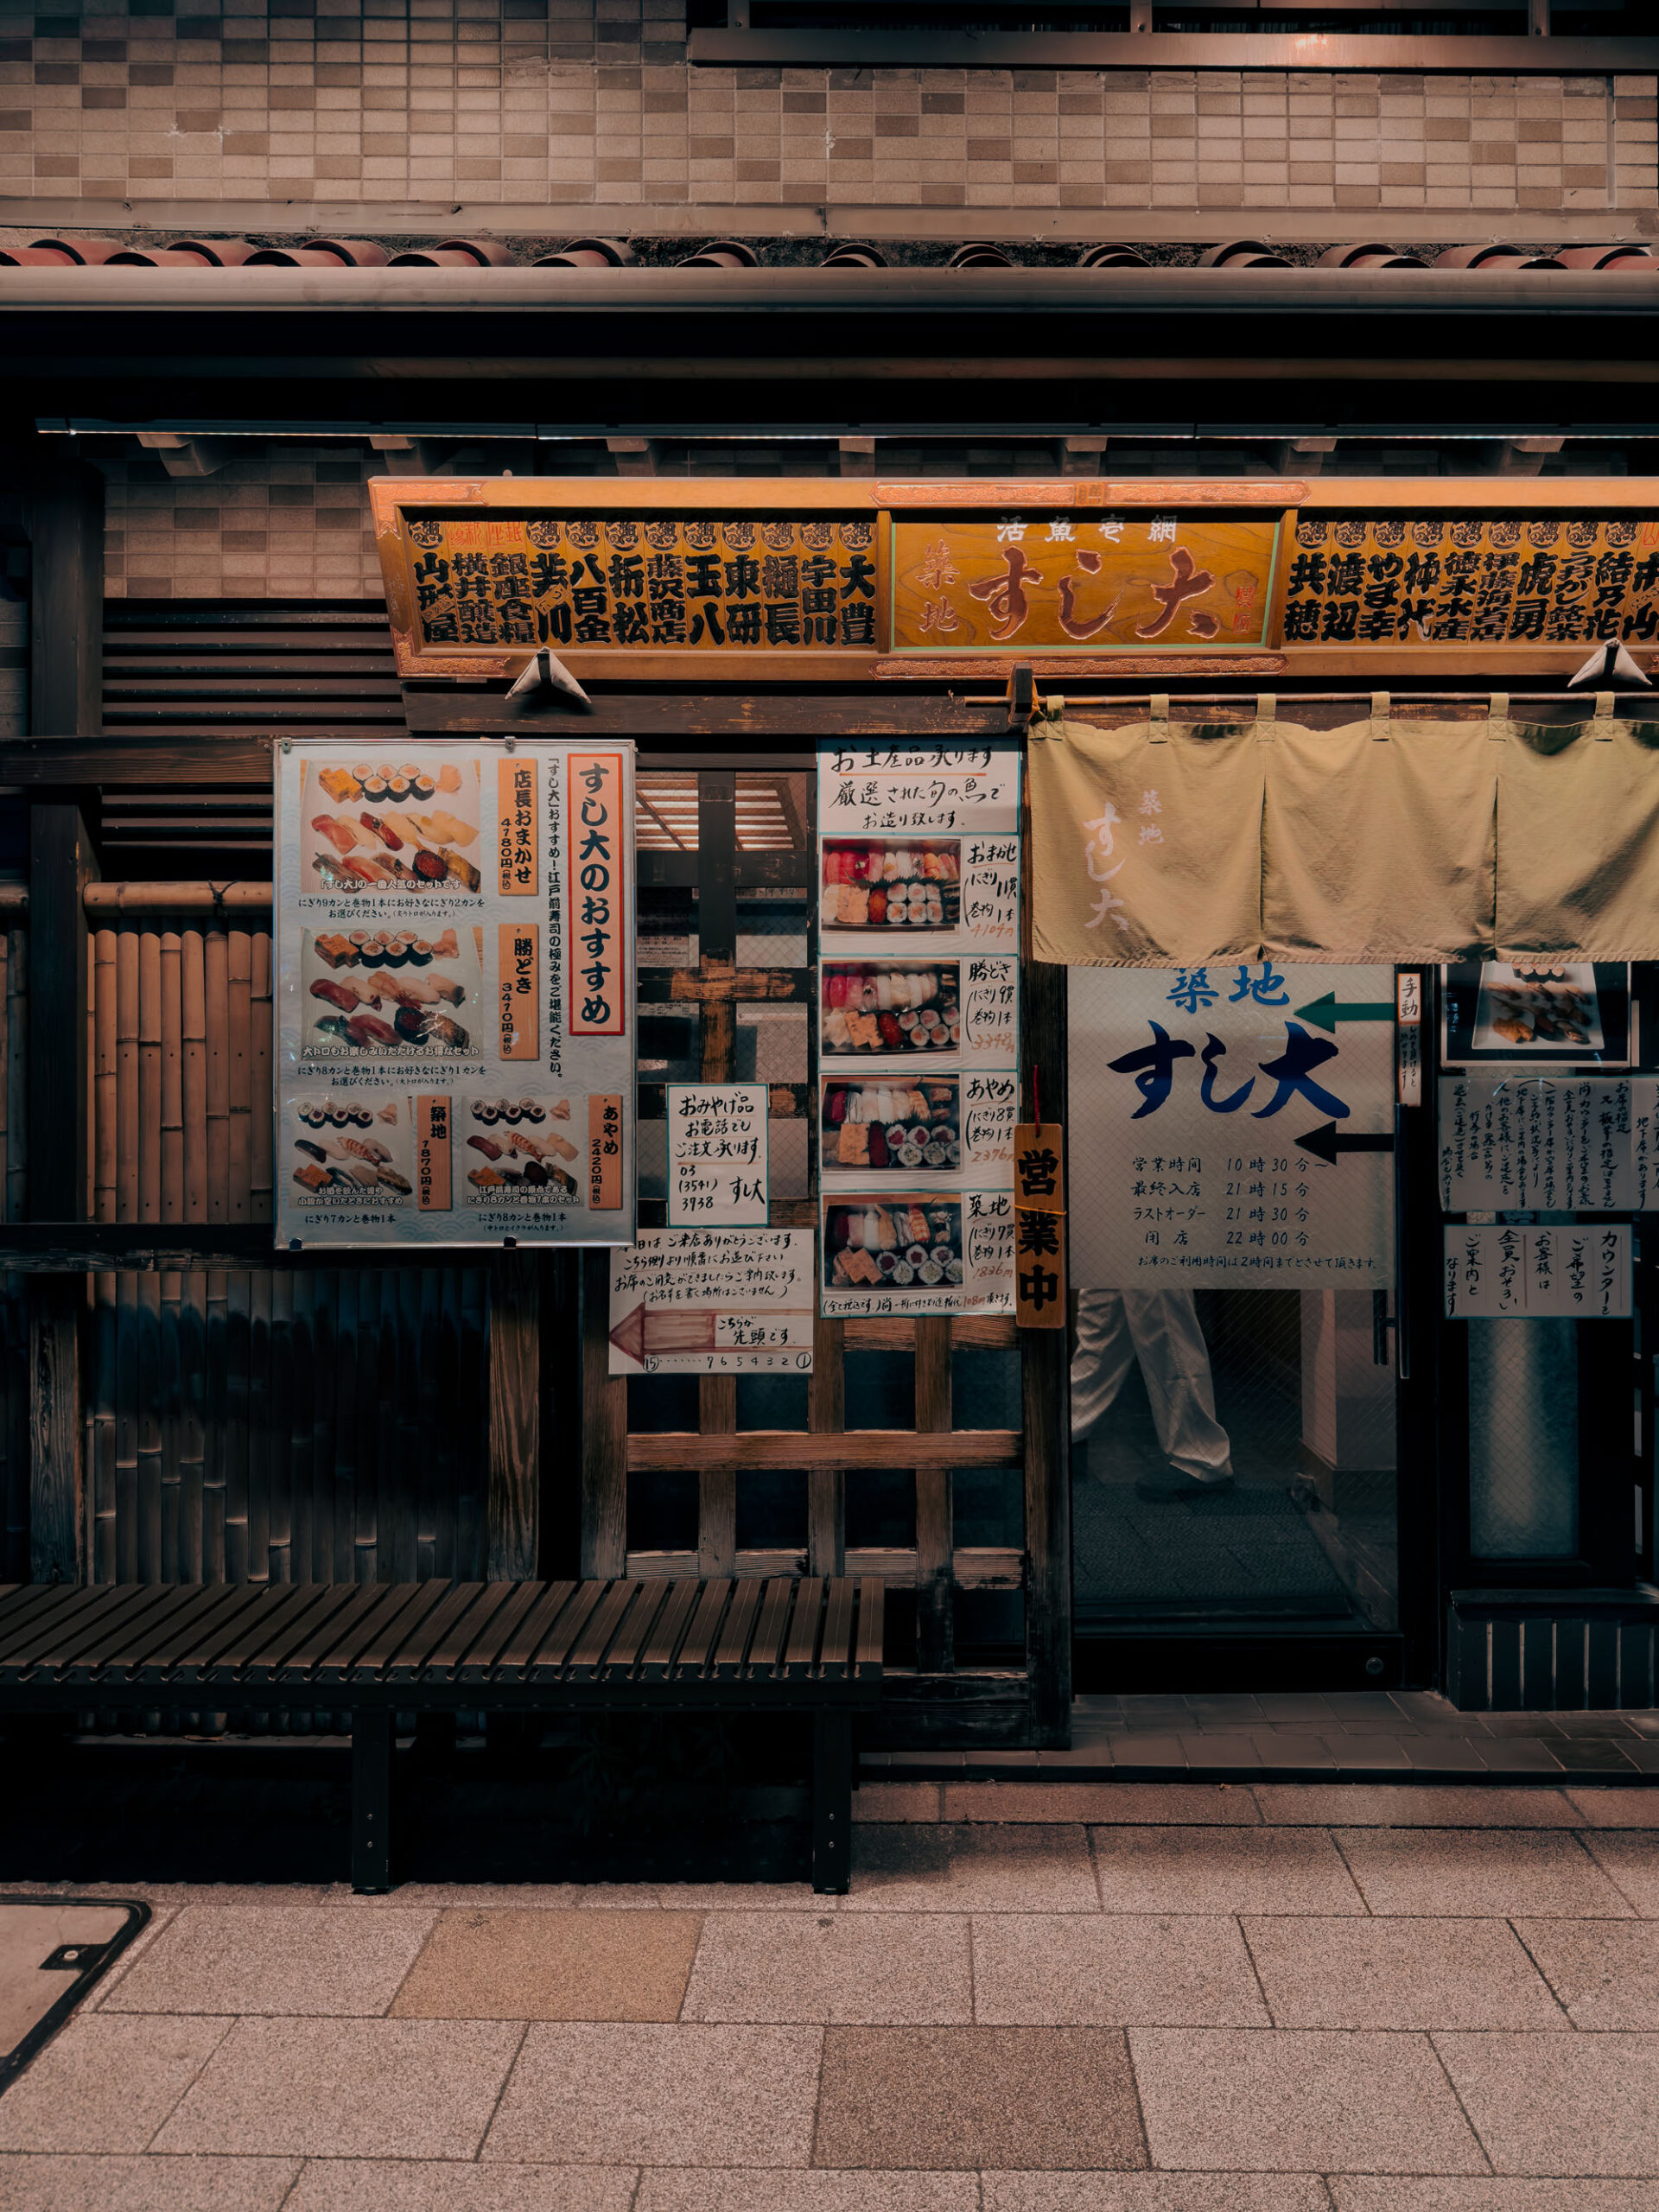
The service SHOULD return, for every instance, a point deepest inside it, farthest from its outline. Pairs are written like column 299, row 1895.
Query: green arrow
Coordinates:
column 1326, row 1013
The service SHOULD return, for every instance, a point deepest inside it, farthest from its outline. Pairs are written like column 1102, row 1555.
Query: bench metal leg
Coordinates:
column 371, row 1744
column 832, row 1803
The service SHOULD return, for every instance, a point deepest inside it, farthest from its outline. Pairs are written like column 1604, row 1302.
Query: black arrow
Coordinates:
column 1328, row 1141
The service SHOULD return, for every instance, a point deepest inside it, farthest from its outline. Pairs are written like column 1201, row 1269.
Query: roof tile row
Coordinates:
column 729, row 254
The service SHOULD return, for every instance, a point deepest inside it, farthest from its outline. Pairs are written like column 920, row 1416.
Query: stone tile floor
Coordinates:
column 1297, row 1736
column 1084, row 1997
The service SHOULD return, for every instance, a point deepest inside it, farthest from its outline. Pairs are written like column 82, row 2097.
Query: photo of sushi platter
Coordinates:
column 1538, row 1006
column 375, row 991
column 412, row 827
column 351, row 1149
column 875, row 884
column 518, row 1147
column 894, row 1126
column 867, row 1007
column 892, row 1243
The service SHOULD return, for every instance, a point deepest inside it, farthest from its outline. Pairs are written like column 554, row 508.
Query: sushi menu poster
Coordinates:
column 919, row 1026
column 455, row 1010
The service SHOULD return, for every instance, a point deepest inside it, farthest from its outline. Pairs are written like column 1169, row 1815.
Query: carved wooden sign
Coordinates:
column 816, row 581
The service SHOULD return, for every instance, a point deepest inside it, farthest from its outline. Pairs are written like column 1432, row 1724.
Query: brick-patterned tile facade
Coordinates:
column 287, row 522
column 591, row 102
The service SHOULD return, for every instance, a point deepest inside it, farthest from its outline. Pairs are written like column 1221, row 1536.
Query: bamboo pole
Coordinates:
column 216, row 963
column 172, row 1412
column 149, row 1076
column 126, row 1073
column 192, row 1036
column 176, row 899
column 238, row 1008
column 5, row 1072
column 100, row 1438
column 171, row 1116
column 147, row 1317
column 126, row 1427
column 106, row 1063
column 192, row 1423
column 17, row 1075
column 234, row 1433
column 262, row 1104
column 213, row 1427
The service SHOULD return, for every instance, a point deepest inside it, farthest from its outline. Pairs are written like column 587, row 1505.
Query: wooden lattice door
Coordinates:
column 919, row 1449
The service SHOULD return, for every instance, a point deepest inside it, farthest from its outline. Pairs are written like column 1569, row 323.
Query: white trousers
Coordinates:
column 1160, row 1329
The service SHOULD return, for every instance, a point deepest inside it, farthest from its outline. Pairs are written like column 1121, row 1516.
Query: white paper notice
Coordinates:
column 1580, row 1271
column 1545, row 1144
column 717, row 1155
column 919, row 1025
column 712, row 1301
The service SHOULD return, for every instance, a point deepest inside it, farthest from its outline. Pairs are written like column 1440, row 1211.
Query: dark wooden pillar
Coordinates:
column 65, row 517
column 1045, row 1377
column 514, row 1488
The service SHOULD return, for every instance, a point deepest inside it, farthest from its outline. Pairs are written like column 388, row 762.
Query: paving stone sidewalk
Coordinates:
column 1060, row 1997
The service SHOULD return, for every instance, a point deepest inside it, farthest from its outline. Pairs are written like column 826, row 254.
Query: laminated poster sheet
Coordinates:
column 455, row 1029
column 919, row 1026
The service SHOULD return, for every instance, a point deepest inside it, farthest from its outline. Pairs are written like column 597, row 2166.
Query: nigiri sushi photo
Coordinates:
column 891, row 885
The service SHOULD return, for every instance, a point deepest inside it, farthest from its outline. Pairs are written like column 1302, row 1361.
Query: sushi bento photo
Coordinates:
column 872, row 884
column 894, row 1125
column 519, row 1148
column 892, row 1243
column 378, row 992
column 867, row 1007
column 345, row 1150
column 379, row 827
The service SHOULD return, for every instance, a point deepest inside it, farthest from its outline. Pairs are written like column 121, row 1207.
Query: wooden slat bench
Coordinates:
column 810, row 1645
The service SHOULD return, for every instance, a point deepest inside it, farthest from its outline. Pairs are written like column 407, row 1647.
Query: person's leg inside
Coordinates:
column 1175, row 1367
column 1101, row 1363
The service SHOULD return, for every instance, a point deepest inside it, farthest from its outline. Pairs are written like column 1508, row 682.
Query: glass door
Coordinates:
column 1234, row 1376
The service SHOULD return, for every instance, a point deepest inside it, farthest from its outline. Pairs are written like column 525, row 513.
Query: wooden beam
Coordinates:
column 513, row 1493
column 858, row 1447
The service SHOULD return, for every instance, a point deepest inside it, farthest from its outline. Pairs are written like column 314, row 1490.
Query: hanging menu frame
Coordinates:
column 455, row 1006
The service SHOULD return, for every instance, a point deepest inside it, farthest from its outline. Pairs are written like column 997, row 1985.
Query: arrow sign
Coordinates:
column 1326, row 1141
column 1326, row 1013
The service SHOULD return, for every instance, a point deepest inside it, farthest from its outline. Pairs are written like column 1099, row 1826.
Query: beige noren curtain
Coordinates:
column 1415, row 840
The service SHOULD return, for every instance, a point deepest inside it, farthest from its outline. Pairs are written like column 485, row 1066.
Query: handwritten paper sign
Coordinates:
column 454, row 1012
column 712, row 1301
column 717, row 1155
column 918, row 1014
column 1548, row 1144
column 1581, row 1270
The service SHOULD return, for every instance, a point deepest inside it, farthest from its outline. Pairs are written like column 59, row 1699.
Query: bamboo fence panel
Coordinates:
column 243, row 1425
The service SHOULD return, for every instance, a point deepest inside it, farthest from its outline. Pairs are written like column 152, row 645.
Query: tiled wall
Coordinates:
column 287, row 522
column 580, row 103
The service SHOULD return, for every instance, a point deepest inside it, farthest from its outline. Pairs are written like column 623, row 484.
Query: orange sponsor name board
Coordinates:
column 515, row 814
column 434, row 1117
column 519, row 971
column 597, row 939
column 604, row 1152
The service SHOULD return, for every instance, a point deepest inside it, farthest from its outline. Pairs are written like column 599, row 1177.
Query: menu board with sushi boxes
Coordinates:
column 455, row 1008
column 919, row 1026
